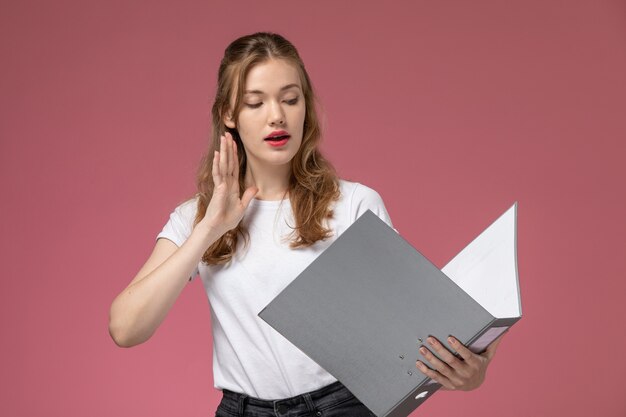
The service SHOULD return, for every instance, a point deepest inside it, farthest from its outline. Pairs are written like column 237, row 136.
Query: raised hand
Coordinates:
column 226, row 209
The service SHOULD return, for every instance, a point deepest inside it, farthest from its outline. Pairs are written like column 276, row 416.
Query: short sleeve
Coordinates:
column 365, row 198
column 179, row 226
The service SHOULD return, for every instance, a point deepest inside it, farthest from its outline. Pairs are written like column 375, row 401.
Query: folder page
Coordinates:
column 487, row 268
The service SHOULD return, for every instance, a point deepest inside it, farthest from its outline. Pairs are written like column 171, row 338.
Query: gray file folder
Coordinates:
column 363, row 308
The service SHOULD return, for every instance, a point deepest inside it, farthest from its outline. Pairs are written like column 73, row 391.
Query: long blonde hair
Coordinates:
column 313, row 184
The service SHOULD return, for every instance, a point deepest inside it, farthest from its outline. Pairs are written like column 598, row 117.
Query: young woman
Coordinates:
column 268, row 204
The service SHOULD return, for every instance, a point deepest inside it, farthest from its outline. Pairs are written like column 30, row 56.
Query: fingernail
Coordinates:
column 431, row 341
column 451, row 340
column 423, row 350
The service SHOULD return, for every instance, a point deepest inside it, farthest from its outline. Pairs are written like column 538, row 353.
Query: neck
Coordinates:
column 272, row 181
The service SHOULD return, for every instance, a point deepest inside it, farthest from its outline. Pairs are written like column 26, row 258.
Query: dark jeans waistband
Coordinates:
column 319, row 399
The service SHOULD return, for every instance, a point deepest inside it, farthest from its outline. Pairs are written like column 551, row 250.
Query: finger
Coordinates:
column 452, row 361
column 248, row 195
column 217, row 179
column 233, row 157
column 466, row 354
column 434, row 375
column 229, row 147
column 223, row 157
column 436, row 363
column 235, row 160
column 226, row 172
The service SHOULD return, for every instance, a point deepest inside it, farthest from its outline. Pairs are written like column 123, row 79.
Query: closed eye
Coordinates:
column 292, row 102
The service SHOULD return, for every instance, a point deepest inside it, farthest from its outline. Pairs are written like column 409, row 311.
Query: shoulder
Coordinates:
column 357, row 198
column 184, row 213
column 180, row 223
column 356, row 193
column 188, row 208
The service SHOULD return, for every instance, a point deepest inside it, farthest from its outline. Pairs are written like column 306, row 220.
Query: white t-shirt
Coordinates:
column 249, row 356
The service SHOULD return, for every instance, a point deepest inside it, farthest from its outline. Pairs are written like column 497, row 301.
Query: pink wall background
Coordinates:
column 451, row 110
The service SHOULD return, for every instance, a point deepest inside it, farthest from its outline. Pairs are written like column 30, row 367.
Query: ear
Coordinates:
column 228, row 121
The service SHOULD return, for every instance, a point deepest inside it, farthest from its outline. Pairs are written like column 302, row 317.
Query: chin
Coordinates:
column 281, row 161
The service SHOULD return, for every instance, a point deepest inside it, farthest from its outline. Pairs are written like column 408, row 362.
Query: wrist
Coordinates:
column 207, row 232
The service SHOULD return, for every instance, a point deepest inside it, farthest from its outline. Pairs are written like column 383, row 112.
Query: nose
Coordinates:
column 276, row 116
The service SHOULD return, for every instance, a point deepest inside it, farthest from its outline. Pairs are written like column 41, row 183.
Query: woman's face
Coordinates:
column 273, row 100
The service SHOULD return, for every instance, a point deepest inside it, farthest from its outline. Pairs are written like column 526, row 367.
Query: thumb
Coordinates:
column 248, row 195
column 491, row 349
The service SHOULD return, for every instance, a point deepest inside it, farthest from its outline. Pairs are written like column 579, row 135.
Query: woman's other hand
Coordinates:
column 226, row 209
column 465, row 373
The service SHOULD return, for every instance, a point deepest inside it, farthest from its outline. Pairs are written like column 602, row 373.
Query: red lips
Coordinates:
column 277, row 133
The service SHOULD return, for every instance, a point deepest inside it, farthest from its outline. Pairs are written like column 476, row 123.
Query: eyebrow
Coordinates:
column 281, row 89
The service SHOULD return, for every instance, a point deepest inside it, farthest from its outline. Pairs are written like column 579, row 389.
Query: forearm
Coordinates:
column 139, row 310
